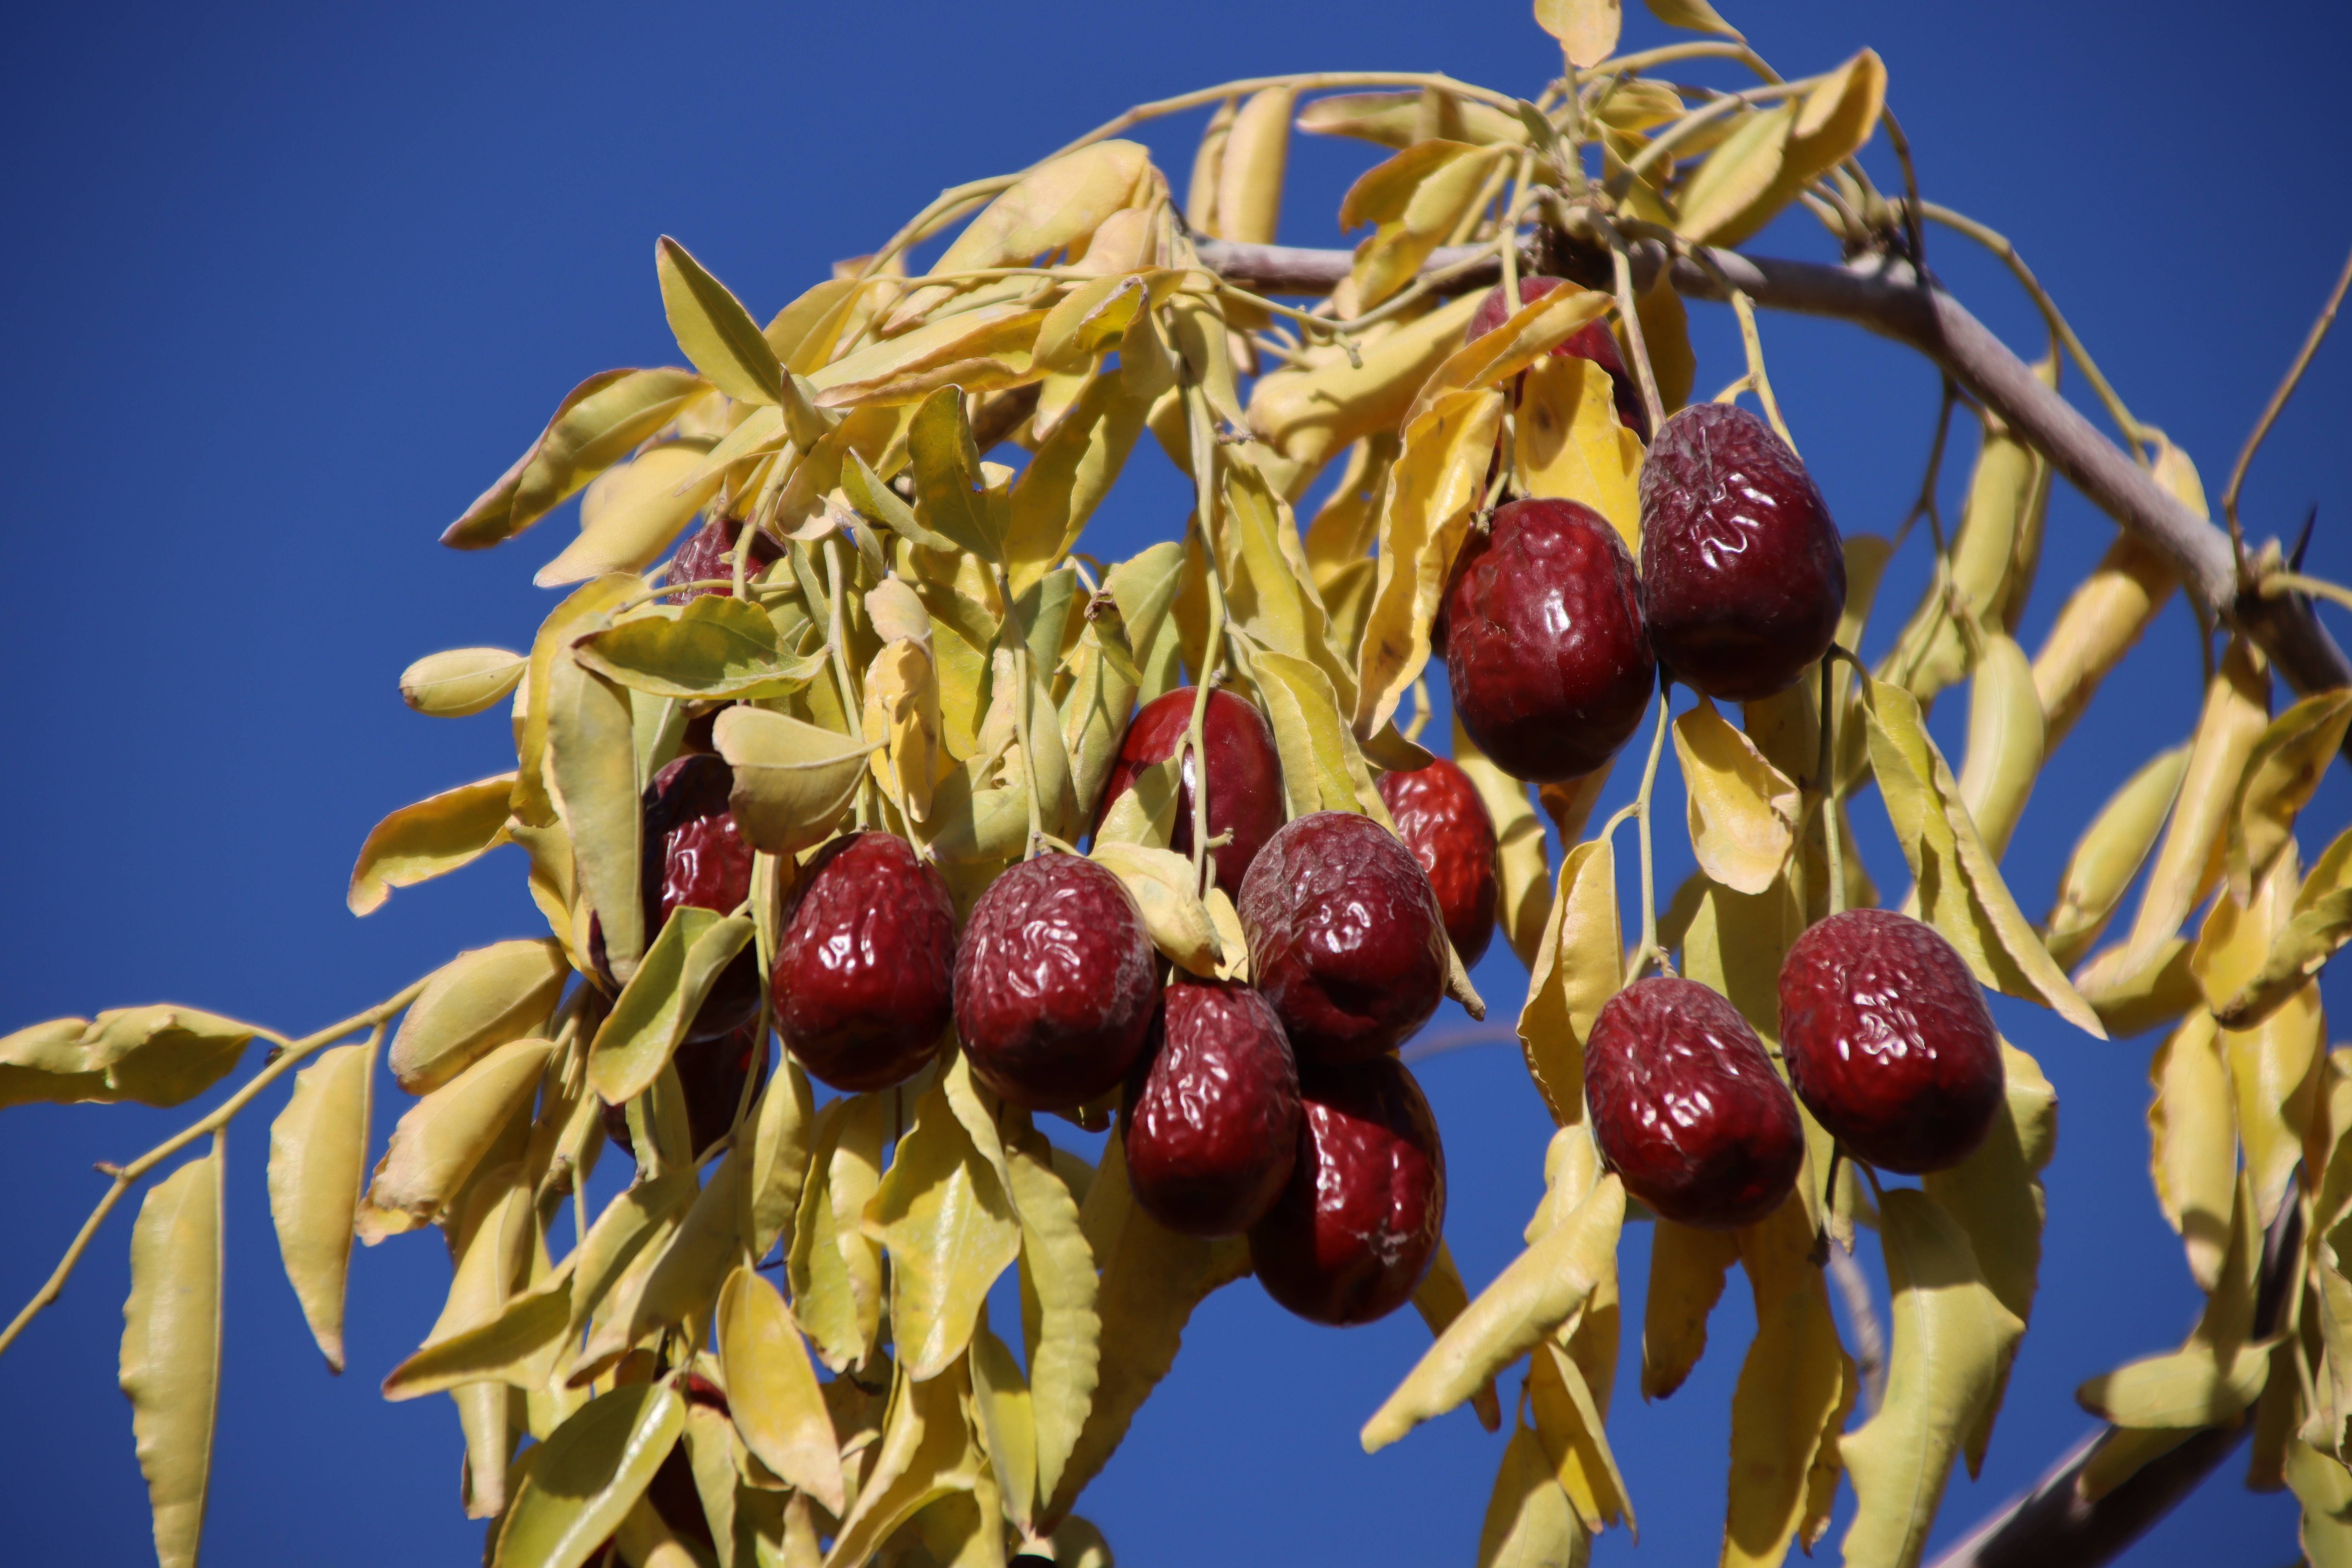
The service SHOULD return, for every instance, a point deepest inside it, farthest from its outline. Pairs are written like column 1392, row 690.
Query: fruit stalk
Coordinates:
column 836, row 636
column 1641, row 808
column 1745, row 308
column 1621, row 265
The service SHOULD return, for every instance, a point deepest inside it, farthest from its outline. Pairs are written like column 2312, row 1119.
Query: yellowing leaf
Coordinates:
column 2193, row 1149
column 2184, row 1388
column 462, row 681
column 434, row 837
column 2005, row 741
column 946, row 472
column 948, row 1227
column 474, row 1004
column 649, row 1018
column 444, row 1137
column 1164, row 887
column 716, row 334
column 1952, row 1338
column 1249, row 177
column 1440, row 1298
column 160, row 1056
column 718, row 646
column 926, row 1453
column 2099, row 622
column 1434, row 491
column 792, row 780
column 1742, row 809
column 2283, row 772
column 518, row 1345
column 1576, row 968
column 1524, row 909
column 1054, row 204
column 591, row 778
column 1322, row 765
column 1309, row 413
column 1587, row 30
column 1686, row 1270
column 532, row 806
column 1568, row 444
column 588, row 1475
column 598, row 424
column 1772, row 155
column 1420, row 199
column 771, row 1390
column 1529, row 1523
column 1534, row 1295
column 1401, row 118
column 318, row 1171
column 1697, row 15
column 1793, row 1391
column 632, row 514
column 1060, row 1308
column 2110, row 854
column 1521, row 340
column 171, row 1348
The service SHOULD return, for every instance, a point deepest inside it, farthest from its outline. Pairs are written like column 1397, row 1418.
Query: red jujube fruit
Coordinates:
column 1346, row 937
column 709, row 555
column 694, row 853
column 1210, row 1126
column 1545, row 651
column 1743, row 576
column 1686, row 1108
column 1055, row 983
column 1445, row 823
column 864, row 959
column 1245, row 796
column 1592, row 341
column 1888, row 1040
column 1355, row 1226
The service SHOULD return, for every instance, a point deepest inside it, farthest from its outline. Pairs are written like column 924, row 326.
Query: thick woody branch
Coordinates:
column 1886, row 298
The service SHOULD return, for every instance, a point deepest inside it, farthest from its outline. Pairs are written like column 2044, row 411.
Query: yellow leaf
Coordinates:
column 2301, row 950
column 926, row 1453
column 948, row 1227
column 686, row 1273
column 588, row 1475
column 1167, row 890
column 598, row 424
column 1762, row 165
column 804, row 333
column 1521, row 340
column 1307, row 415
column 532, row 806
column 717, row 647
column 716, row 334
column 1686, row 1272
column 1434, row 492
column 444, row 1137
column 2099, row 624
column 317, row 1170
column 2185, row 1388
column 641, row 1217
column 1569, row 1424
column 474, row 1004
column 519, row 1344
column 1733, row 183
column 171, row 1348
column 1665, row 334
column 1524, row 908
column 434, row 837
column 1249, row 175
column 792, row 780
column 1103, row 681
column 1420, row 199
column 2273, row 1067
column 1060, row 1308
column 462, row 681
column 1401, row 118
column 1323, row 766
column 1069, row 474
column 1576, row 970
column 1568, row 444
column 1439, row 1298
column 948, row 478
column 2110, row 854
column 1742, row 809
column 1534, row 1295
column 776, row 1161
column 772, row 1391
column 2005, row 741
column 1587, row 30
column 2281, row 774
column 1056, row 205
column 1006, row 1424
column 650, row 1017
column 2131, row 1002
column 1695, row 15
column 902, row 717
column 591, row 778
column 1208, row 165
column 1793, row 1387
column 1529, row 1523
column 632, row 514
column 1951, row 1337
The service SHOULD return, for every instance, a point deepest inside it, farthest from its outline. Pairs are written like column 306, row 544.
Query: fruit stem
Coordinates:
column 1745, row 308
column 127, row 1176
column 1196, row 733
column 1650, row 949
column 1826, row 783
column 1623, row 266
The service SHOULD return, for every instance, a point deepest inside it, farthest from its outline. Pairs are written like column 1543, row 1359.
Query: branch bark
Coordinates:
column 1886, row 297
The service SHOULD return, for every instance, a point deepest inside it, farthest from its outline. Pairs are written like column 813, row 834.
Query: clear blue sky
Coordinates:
column 290, row 284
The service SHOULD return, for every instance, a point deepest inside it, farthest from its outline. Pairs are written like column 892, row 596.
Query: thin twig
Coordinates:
column 2270, row 412
column 1869, row 1335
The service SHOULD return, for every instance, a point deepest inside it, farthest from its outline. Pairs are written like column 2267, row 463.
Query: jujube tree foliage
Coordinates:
column 877, row 824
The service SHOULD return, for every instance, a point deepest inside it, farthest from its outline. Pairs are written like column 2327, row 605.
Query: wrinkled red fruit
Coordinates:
column 1686, row 1108
column 1055, row 983
column 1594, row 341
column 864, row 963
column 1545, row 651
column 712, row 1073
column 1212, row 1125
column 1356, row 1226
column 1441, row 820
column 709, row 555
column 1888, row 1040
column 1743, row 578
column 694, row 853
column 1244, row 775
column 1346, row 937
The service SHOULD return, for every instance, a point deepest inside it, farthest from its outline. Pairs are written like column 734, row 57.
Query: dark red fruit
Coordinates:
column 1743, row 578
column 1441, row 820
column 1686, row 1108
column 1356, row 1226
column 1888, row 1040
column 709, row 555
column 1212, row 1125
column 1245, row 796
column 712, row 1073
column 1346, row 937
column 1594, row 341
column 1055, row 983
column 1545, row 651
column 864, row 963
column 694, row 853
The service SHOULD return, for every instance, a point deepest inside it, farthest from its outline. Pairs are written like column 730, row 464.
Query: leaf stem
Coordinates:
column 1745, row 308
column 127, row 1176
column 1621, row 265
column 1825, row 786
column 2270, row 412
column 1649, row 949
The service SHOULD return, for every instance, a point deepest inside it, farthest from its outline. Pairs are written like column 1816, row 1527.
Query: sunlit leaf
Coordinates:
column 474, row 1004
column 171, row 1348
column 718, row 646
column 598, row 423
column 1568, row 444
column 651, row 1015
column 1307, row 415
column 434, row 837
column 588, row 1475
column 1686, row 1272
column 318, row 1171
column 461, row 681
column 2110, row 854
column 634, row 512
column 948, row 1227
column 445, row 1136
column 2282, row 773
column 792, row 780
column 1742, row 809
column 771, row 1390
column 716, row 334
column 1576, row 968
column 591, row 778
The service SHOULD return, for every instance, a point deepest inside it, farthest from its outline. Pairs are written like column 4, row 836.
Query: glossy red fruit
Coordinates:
column 1245, row 796
column 1743, row 577
column 1594, row 341
column 864, row 959
column 1686, row 1108
column 1346, row 937
column 1888, row 1040
column 1356, row 1226
column 712, row 1073
column 1545, row 650
column 694, row 853
column 1210, row 1126
column 1055, row 983
column 709, row 555
column 1441, row 820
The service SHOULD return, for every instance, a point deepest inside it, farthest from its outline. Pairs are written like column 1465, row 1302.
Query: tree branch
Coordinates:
column 1884, row 297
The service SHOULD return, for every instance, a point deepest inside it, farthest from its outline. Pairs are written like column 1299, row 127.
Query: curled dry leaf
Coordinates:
column 1439, row 1298
column 478, row 1000
column 1250, row 170
column 444, row 1137
column 318, row 1172
column 462, row 681
column 171, row 1348
column 2005, row 741
column 1166, row 888
column 2100, row 622
column 431, row 838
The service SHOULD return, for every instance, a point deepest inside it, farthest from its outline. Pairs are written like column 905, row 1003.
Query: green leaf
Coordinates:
column 714, row 330
column 431, row 838
column 650, row 1017
column 792, row 780
column 718, row 646
column 588, row 1475
column 948, row 487
column 171, row 1348
column 474, row 1004
column 318, row 1173
column 462, row 681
